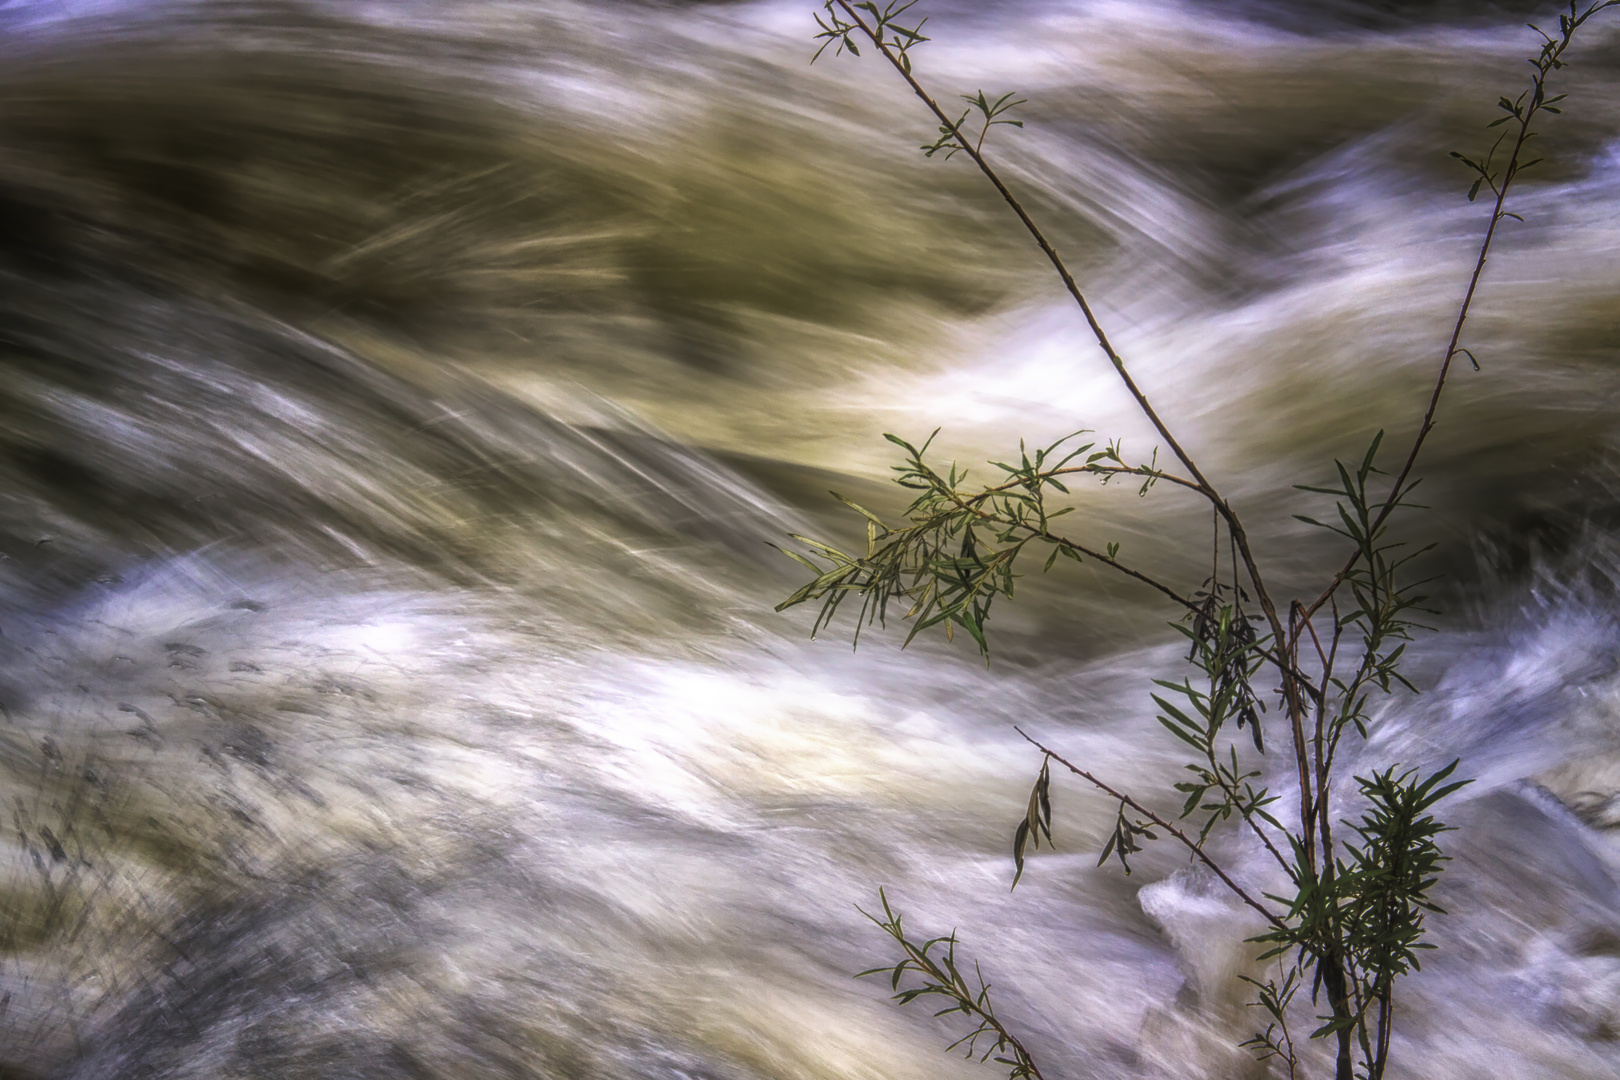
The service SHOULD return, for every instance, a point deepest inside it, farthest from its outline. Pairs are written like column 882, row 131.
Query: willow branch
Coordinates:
column 972, row 506
column 1274, row 655
column 968, row 146
column 1399, row 488
column 1249, row 819
column 1135, row 470
column 1107, row 470
column 1201, row 483
column 1192, row 845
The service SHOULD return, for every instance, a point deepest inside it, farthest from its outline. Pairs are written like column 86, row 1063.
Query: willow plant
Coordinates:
column 1355, row 919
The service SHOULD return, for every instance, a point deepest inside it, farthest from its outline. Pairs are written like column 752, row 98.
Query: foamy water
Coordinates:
column 398, row 398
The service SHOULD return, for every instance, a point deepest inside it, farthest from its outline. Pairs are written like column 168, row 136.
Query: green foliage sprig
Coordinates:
column 941, row 977
column 1369, row 914
column 1037, row 820
column 950, row 134
column 959, row 545
column 885, row 29
column 1276, row 1041
column 1355, row 921
column 1524, row 108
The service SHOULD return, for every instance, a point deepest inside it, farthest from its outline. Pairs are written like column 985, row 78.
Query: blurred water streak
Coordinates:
column 397, row 397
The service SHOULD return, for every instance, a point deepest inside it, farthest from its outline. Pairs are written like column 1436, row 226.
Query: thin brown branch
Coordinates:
column 1317, row 642
column 1134, row 470
column 1115, row 564
column 964, row 997
column 972, row 507
column 1111, row 470
column 1288, row 649
column 1202, row 483
column 967, row 145
column 1192, row 845
column 1323, row 759
column 1386, row 1028
column 1232, row 794
column 1399, row 488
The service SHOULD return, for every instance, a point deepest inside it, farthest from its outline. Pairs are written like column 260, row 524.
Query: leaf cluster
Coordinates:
column 885, row 29
column 1386, row 878
column 957, row 550
column 1037, row 820
column 842, row 26
column 1384, row 601
column 1122, row 842
column 1220, row 787
column 1524, row 108
column 1275, row 998
column 952, row 136
column 941, row 977
column 1364, row 911
column 1230, row 652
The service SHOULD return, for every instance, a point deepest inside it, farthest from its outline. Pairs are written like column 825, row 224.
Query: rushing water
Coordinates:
column 397, row 396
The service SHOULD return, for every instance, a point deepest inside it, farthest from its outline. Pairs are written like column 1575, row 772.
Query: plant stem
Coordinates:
column 1548, row 63
column 1192, row 845
column 1240, row 537
column 972, row 151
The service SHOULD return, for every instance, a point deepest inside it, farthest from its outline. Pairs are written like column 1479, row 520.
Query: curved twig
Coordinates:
column 1192, row 845
column 1240, row 538
column 1453, row 347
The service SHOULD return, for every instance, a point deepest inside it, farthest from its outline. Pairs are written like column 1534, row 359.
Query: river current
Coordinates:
column 396, row 399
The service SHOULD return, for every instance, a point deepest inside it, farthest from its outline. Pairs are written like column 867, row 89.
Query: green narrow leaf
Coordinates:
column 861, row 510
column 1020, row 837
column 1190, row 740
